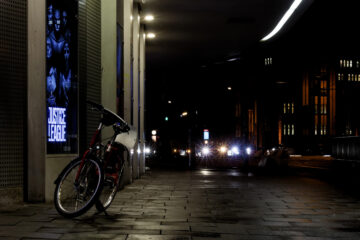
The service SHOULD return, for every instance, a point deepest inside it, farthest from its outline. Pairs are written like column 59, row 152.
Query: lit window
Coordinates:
column 351, row 63
column 284, row 108
column 315, row 129
column 323, row 125
column 341, row 63
column 284, row 129
column 323, row 102
column 321, row 105
column 268, row 61
column 293, row 129
column 323, row 86
column 289, row 129
column 292, row 108
column 347, row 63
column 339, row 76
column 349, row 77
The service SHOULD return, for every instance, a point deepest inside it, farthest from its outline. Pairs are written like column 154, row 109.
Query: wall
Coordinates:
column 134, row 82
column 89, row 67
column 24, row 111
column 127, row 56
column 13, row 98
column 108, row 59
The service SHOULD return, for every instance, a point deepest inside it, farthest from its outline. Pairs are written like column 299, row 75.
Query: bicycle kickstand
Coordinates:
column 101, row 208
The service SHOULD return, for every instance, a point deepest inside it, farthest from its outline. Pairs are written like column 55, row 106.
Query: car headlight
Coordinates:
column 235, row 150
column 205, row 151
column 223, row 149
column 248, row 150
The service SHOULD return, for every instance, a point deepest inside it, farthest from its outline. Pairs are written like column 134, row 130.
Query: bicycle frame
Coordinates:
column 94, row 140
column 110, row 151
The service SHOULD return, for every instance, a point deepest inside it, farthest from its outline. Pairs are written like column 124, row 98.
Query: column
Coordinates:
column 128, row 17
column 36, row 109
column 142, row 99
column 136, row 88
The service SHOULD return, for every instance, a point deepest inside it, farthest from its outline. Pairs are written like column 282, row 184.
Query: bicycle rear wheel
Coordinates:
column 73, row 198
column 110, row 188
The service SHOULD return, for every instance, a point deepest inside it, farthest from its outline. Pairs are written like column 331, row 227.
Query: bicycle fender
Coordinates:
column 127, row 139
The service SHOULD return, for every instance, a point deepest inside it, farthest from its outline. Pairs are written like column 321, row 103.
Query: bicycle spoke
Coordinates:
column 74, row 196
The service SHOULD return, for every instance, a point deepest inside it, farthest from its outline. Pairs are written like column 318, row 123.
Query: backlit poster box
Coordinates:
column 61, row 76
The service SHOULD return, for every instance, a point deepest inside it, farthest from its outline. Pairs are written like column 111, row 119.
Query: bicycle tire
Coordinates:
column 90, row 181
column 108, row 194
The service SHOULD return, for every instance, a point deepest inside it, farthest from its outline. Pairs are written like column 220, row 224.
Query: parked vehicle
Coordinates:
column 94, row 178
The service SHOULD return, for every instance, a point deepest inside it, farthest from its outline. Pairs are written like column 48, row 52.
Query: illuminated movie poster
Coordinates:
column 61, row 76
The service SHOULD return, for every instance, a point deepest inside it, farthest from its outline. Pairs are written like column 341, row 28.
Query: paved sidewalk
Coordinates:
column 201, row 205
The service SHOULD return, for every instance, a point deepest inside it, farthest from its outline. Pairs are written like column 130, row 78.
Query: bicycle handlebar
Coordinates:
column 109, row 118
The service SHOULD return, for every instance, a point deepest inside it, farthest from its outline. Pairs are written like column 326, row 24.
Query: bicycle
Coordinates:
column 95, row 177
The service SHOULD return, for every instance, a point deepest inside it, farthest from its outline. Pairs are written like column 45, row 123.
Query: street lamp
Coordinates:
column 184, row 114
column 149, row 18
column 153, row 133
column 151, row 35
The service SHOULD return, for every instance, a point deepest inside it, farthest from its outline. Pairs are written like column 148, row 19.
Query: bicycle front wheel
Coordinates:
column 73, row 198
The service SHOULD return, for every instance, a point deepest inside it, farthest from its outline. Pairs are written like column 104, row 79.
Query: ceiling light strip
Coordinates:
column 283, row 20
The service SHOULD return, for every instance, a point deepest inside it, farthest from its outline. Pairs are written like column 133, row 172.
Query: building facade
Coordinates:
column 301, row 106
column 56, row 55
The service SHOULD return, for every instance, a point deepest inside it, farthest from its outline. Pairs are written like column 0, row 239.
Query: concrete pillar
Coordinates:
column 136, row 87
column 128, row 17
column 142, row 98
column 36, row 109
column 108, row 58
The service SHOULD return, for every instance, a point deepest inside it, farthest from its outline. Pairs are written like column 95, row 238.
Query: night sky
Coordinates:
column 326, row 29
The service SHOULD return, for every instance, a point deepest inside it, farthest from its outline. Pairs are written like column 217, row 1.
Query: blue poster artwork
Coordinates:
column 61, row 76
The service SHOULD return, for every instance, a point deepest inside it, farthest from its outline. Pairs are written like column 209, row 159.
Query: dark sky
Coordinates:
column 328, row 28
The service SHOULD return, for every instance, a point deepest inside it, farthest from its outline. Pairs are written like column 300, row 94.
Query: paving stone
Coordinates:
column 191, row 205
column 157, row 237
column 88, row 236
column 9, row 238
column 9, row 220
